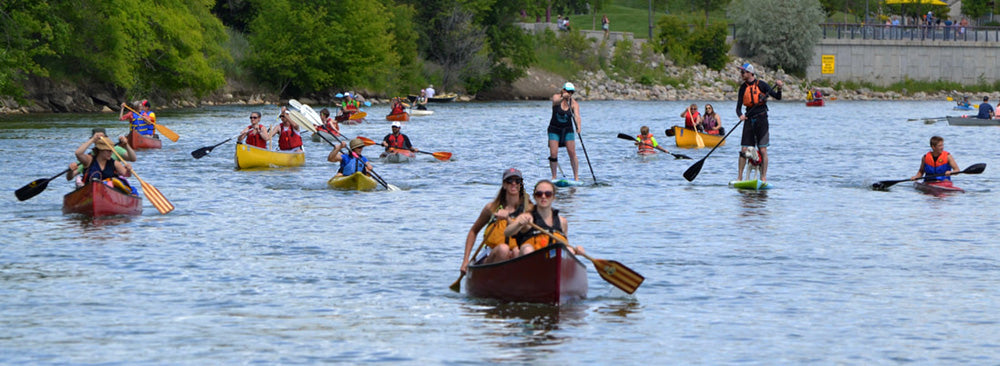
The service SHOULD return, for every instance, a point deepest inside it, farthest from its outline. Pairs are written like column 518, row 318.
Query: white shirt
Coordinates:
column 430, row 92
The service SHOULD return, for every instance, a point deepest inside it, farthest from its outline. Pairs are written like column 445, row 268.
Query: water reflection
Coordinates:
column 753, row 202
column 533, row 328
column 96, row 224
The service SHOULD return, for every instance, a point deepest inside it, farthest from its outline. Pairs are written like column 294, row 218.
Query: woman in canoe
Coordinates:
column 99, row 164
column 530, row 239
column 289, row 138
column 123, row 149
column 255, row 134
column 510, row 201
column 351, row 163
column 329, row 125
column 937, row 162
column 710, row 121
column 692, row 119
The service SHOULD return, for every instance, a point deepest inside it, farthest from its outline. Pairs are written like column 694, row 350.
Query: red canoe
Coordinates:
column 97, row 199
column 937, row 188
column 401, row 117
column 814, row 103
column 551, row 275
column 144, row 142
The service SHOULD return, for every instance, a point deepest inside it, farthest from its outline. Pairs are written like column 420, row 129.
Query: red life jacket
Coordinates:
column 689, row 120
column 397, row 141
column 254, row 139
column 645, row 142
column 288, row 138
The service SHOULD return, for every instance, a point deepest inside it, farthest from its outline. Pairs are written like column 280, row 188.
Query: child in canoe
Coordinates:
column 647, row 143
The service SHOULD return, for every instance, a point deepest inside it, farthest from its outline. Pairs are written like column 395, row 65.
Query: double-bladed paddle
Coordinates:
column 163, row 130
column 440, row 155
column 972, row 169
column 615, row 273
column 693, row 171
column 35, row 187
column 630, row 138
column 200, row 153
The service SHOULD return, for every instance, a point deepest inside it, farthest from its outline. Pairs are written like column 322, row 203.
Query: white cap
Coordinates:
column 397, row 124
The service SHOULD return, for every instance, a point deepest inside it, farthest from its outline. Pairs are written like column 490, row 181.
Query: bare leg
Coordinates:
column 527, row 248
column 553, row 154
column 571, row 150
column 763, row 163
column 742, row 164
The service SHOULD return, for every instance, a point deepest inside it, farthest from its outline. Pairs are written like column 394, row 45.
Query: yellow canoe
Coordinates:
column 254, row 157
column 685, row 138
column 353, row 182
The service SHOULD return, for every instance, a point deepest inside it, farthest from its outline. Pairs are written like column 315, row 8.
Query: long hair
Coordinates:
column 543, row 181
column 501, row 198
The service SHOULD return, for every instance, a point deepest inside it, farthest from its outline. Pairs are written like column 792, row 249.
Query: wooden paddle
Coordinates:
column 630, row 138
column 615, row 273
column 163, row 130
column 200, row 153
column 693, row 171
column 35, row 187
column 155, row 197
column 457, row 285
column 972, row 169
column 440, row 155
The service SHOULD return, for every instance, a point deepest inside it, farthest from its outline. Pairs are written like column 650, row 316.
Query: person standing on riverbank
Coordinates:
column 605, row 25
column 565, row 112
column 753, row 95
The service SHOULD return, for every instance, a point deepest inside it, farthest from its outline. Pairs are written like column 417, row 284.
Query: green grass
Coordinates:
column 635, row 19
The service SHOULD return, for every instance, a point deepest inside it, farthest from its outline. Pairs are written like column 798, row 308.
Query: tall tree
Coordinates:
column 778, row 34
column 30, row 31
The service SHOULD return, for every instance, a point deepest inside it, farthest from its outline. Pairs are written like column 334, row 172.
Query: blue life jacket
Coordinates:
column 936, row 166
column 350, row 164
column 142, row 126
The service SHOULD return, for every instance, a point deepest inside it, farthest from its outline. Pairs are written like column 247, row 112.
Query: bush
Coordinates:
column 778, row 33
column 689, row 46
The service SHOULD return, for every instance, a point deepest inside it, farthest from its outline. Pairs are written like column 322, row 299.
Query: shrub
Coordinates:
column 778, row 33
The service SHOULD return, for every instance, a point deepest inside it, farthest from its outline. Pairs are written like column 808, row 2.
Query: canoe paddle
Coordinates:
column 440, row 155
column 155, row 197
column 972, row 169
column 200, row 153
column 693, row 171
column 615, row 273
column 163, row 130
column 676, row 156
column 35, row 187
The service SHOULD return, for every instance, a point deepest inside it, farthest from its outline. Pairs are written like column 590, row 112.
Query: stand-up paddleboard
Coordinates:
column 568, row 183
column 750, row 184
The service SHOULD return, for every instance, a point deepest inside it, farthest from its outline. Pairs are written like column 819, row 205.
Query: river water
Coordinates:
column 272, row 266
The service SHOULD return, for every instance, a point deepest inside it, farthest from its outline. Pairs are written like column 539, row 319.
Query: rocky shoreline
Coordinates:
column 46, row 96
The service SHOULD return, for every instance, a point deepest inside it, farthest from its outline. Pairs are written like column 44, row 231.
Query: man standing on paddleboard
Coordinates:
column 753, row 95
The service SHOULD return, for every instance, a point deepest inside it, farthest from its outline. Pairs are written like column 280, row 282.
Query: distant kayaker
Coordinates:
column 397, row 139
column 510, row 201
column 710, row 122
column 530, row 239
column 421, row 102
column 646, row 142
column 329, row 125
column 255, row 134
column 287, row 131
column 753, row 95
column 144, row 122
column 985, row 109
column 565, row 112
column 692, row 119
column 349, row 106
column 936, row 162
column 397, row 106
column 965, row 102
column 353, row 161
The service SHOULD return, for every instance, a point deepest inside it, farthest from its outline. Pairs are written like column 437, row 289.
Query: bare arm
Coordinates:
column 81, row 152
column 129, row 152
column 470, row 238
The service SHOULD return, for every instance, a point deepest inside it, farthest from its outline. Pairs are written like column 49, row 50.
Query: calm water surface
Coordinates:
column 271, row 266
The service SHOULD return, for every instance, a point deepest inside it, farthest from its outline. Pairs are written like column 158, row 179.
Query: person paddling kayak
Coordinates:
column 937, row 162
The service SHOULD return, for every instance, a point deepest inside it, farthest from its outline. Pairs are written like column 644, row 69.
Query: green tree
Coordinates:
column 778, row 34
column 29, row 31
column 976, row 8
column 709, row 5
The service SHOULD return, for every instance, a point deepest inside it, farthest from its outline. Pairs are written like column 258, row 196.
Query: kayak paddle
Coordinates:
column 163, row 130
column 972, row 169
column 630, row 138
column 35, row 187
column 440, row 155
column 693, row 171
column 200, row 153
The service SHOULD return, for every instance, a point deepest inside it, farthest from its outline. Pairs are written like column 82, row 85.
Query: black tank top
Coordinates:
column 95, row 171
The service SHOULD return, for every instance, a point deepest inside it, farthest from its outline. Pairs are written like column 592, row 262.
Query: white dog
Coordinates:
column 753, row 163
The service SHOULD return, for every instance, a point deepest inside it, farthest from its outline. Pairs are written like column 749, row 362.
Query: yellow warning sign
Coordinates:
column 829, row 64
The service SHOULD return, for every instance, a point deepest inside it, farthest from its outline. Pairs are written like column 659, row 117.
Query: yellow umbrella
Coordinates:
column 931, row 2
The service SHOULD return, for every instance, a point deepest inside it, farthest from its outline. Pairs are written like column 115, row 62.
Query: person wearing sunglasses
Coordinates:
column 565, row 112
column 692, row 119
column 530, row 239
column 710, row 121
column 753, row 95
column 287, row 131
column 256, row 134
column 510, row 201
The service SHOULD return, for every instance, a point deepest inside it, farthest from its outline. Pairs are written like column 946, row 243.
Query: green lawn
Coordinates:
column 633, row 18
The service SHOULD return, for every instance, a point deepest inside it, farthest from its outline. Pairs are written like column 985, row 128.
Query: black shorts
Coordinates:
column 755, row 131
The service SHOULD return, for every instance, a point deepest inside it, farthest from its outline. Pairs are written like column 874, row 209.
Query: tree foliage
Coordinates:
column 778, row 34
column 976, row 8
column 29, row 31
column 686, row 45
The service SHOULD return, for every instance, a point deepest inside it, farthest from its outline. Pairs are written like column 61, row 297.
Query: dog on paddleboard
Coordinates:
column 753, row 163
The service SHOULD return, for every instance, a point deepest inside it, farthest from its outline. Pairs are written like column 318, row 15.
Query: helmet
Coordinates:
column 569, row 86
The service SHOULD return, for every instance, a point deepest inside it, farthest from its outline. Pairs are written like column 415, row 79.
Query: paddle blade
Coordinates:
column 442, row 155
column 625, row 137
column 691, row 173
column 975, row 168
column 457, row 286
column 357, row 116
column 669, row 132
column 32, row 189
column 367, row 141
column 166, row 132
column 681, row 156
column 200, row 153
column 155, row 197
column 618, row 275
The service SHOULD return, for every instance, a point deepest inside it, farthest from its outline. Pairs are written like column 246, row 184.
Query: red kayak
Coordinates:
column 937, row 188
column 98, row 199
column 814, row 103
column 551, row 275
column 144, row 142
column 400, row 117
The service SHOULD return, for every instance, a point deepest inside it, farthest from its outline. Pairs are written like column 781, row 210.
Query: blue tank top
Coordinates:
column 94, row 171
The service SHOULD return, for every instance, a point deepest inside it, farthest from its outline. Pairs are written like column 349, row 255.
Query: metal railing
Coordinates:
column 910, row 32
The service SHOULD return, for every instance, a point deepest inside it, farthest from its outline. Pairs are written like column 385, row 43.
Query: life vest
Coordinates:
column 936, row 166
column 121, row 184
column 289, row 138
column 141, row 126
column 349, row 164
column 539, row 239
column 254, row 139
column 397, row 141
column 350, row 105
column 397, row 109
column 646, row 142
column 752, row 95
column 494, row 235
column 689, row 120
column 711, row 122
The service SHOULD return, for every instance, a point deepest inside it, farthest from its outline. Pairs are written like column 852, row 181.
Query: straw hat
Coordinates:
column 356, row 143
column 103, row 144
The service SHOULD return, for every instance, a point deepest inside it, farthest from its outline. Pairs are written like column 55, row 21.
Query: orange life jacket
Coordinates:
column 752, row 95
column 645, row 142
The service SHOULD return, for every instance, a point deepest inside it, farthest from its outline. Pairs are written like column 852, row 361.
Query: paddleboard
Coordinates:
column 750, row 184
column 420, row 112
column 568, row 183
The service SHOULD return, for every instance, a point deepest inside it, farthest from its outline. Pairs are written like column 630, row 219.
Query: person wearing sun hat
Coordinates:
column 98, row 164
column 396, row 139
column 509, row 202
column 753, row 95
column 561, row 132
column 353, row 161
column 123, row 149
